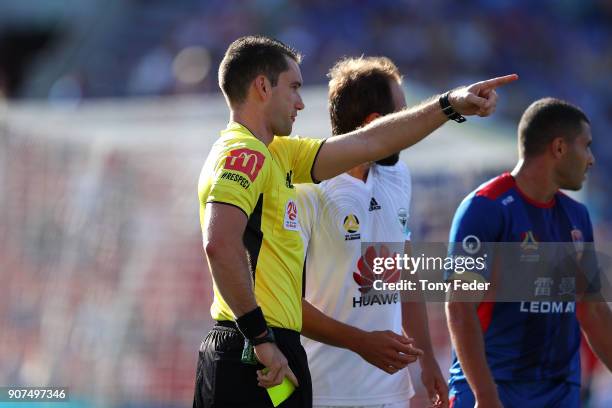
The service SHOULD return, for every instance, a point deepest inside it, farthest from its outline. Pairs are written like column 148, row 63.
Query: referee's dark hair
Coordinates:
column 546, row 119
column 248, row 57
column 364, row 79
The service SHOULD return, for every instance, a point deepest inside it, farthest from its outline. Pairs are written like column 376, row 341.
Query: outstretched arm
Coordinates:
column 392, row 133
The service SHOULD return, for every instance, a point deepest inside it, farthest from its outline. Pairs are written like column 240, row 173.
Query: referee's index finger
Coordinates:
column 499, row 81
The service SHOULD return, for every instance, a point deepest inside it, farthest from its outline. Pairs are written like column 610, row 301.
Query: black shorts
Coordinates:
column 222, row 380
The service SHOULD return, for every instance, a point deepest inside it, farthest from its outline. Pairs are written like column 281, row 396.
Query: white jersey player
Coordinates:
column 336, row 217
column 370, row 203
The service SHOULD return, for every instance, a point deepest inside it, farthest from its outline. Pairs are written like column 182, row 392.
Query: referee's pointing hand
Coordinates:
column 479, row 98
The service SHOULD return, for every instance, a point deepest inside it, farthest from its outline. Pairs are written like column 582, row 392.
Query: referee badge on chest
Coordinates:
column 291, row 222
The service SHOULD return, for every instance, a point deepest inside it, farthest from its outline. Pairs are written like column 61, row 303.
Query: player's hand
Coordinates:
column 387, row 350
column 270, row 356
column 479, row 98
column 434, row 383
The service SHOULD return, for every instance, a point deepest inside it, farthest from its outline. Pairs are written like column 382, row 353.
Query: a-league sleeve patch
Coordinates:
column 246, row 161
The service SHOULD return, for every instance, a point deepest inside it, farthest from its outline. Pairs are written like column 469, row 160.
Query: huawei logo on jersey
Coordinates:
column 246, row 161
column 365, row 277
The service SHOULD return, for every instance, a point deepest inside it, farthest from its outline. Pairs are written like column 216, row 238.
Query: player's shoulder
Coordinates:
column 233, row 138
column 490, row 196
column 288, row 144
column 309, row 190
column 400, row 168
column 571, row 204
column 496, row 187
column 570, row 201
column 238, row 147
column 395, row 175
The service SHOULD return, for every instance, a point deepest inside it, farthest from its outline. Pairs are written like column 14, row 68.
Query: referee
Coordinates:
column 250, row 218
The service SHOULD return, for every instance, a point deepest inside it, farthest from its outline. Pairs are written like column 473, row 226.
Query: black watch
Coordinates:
column 267, row 338
column 448, row 110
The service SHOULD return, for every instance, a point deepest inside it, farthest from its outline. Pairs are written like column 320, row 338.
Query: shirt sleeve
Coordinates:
column 237, row 177
column 304, row 152
column 477, row 221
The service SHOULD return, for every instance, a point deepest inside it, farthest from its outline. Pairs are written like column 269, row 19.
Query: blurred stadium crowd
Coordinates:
column 134, row 48
column 103, row 288
column 104, row 284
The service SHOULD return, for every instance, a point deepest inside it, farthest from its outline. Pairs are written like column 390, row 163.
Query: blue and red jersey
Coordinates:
column 523, row 341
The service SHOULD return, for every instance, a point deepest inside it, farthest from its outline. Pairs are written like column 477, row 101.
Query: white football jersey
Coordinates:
column 336, row 216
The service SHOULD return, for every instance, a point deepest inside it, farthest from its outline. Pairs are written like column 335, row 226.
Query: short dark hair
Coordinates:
column 364, row 79
column 248, row 57
column 546, row 119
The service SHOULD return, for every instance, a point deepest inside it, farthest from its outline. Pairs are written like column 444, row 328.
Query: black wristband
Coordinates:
column 448, row 110
column 252, row 324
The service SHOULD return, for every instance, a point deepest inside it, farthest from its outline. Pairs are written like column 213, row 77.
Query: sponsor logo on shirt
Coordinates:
column 365, row 278
column 288, row 179
column 547, row 307
column 374, row 204
column 246, row 161
column 237, row 178
column 351, row 226
column 291, row 216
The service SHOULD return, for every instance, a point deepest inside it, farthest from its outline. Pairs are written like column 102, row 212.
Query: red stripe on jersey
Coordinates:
column 498, row 186
column 485, row 314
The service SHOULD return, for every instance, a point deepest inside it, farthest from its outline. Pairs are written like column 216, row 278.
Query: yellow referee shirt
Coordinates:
column 241, row 171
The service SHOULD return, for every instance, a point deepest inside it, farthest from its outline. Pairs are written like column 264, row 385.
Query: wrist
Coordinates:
column 252, row 324
column 447, row 108
column 267, row 337
column 356, row 340
column 486, row 392
column 427, row 360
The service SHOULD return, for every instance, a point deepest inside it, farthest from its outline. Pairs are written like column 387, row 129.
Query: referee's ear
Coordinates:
column 262, row 86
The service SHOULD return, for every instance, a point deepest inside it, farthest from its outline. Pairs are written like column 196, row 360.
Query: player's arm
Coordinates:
column 415, row 325
column 596, row 322
column 467, row 337
column 386, row 350
column 224, row 226
column 392, row 133
column 466, row 333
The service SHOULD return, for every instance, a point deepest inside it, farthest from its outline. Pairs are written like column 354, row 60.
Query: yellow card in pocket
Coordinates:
column 280, row 392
